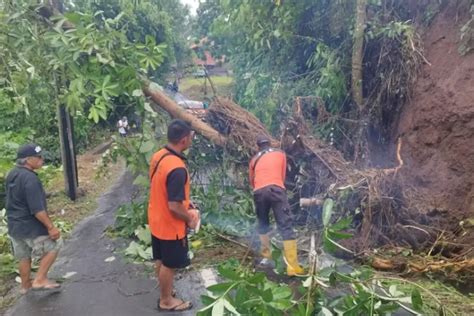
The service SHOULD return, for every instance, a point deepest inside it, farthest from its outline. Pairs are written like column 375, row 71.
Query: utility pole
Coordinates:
column 66, row 134
column 68, row 153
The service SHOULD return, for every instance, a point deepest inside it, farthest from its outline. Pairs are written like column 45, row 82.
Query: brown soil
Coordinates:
column 437, row 125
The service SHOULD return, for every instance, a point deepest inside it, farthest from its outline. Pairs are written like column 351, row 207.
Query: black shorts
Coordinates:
column 172, row 253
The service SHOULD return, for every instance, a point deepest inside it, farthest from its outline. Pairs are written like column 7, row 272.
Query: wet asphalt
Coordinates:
column 98, row 287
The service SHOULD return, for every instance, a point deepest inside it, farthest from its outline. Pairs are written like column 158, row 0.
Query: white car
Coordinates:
column 199, row 73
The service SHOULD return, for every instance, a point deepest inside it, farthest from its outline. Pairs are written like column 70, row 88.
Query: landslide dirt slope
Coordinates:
column 437, row 125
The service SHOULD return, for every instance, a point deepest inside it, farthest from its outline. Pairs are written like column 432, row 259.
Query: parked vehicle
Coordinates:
column 199, row 73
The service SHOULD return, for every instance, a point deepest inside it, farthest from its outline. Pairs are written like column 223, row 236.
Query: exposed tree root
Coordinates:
column 460, row 270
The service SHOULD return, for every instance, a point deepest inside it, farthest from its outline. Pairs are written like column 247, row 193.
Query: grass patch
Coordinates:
column 186, row 83
column 195, row 89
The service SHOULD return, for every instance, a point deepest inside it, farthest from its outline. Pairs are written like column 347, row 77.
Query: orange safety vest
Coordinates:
column 163, row 224
column 266, row 168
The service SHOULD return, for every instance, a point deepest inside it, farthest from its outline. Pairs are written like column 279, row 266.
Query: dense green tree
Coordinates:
column 283, row 49
column 207, row 12
column 40, row 69
column 166, row 21
column 83, row 60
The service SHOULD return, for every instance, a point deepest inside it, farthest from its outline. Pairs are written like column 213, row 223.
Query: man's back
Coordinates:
column 24, row 197
column 268, row 168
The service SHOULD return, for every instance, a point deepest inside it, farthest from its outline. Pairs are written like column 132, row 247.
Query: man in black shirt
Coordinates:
column 29, row 226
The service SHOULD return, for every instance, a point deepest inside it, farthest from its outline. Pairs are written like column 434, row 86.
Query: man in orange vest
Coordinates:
column 170, row 212
column 267, row 172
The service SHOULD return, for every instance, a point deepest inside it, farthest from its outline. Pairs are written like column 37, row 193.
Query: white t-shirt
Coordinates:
column 122, row 125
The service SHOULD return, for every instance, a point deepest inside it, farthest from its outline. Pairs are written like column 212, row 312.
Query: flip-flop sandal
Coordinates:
column 173, row 294
column 47, row 287
column 184, row 306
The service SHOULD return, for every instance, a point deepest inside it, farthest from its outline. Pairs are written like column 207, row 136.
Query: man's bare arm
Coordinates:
column 179, row 211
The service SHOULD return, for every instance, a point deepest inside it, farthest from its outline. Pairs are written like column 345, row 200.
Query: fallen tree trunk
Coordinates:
column 161, row 100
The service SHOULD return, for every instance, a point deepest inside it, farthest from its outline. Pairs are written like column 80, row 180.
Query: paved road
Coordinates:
column 103, row 288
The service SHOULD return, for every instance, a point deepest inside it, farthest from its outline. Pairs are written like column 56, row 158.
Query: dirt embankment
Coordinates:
column 437, row 125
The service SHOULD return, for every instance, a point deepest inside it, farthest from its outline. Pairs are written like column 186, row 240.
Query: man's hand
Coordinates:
column 194, row 214
column 54, row 233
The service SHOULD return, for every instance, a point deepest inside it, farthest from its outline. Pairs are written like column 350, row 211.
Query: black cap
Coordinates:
column 262, row 139
column 28, row 150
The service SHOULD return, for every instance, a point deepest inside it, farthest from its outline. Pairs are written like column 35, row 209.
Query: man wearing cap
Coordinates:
column 170, row 212
column 30, row 229
column 267, row 172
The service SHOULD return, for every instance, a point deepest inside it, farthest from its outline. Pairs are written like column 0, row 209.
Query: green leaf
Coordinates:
column 365, row 273
column 101, row 59
column 132, row 249
column 387, row 309
column 342, row 224
column 148, row 108
column 331, row 244
column 416, row 300
column 307, row 282
column 73, row 102
column 327, row 211
column 241, row 295
column 394, row 291
column 145, row 253
column 220, row 288
column 259, row 277
column 267, row 295
column 93, row 115
column 228, row 273
column 207, row 300
column 147, row 146
column 73, row 17
column 325, row 312
column 218, row 308
column 342, row 277
column 141, row 180
column 143, row 234
column 137, row 93
column 230, row 307
column 281, row 292
column 338, row 235
column 282, row 304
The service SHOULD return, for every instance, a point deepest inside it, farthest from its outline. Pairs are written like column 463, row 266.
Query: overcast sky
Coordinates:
column 193, row 4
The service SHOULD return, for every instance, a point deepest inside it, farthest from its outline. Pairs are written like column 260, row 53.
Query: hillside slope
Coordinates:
column 437, row 125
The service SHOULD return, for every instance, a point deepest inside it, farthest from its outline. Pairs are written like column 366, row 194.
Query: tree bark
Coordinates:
column 358, row 54
column 161, row 100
